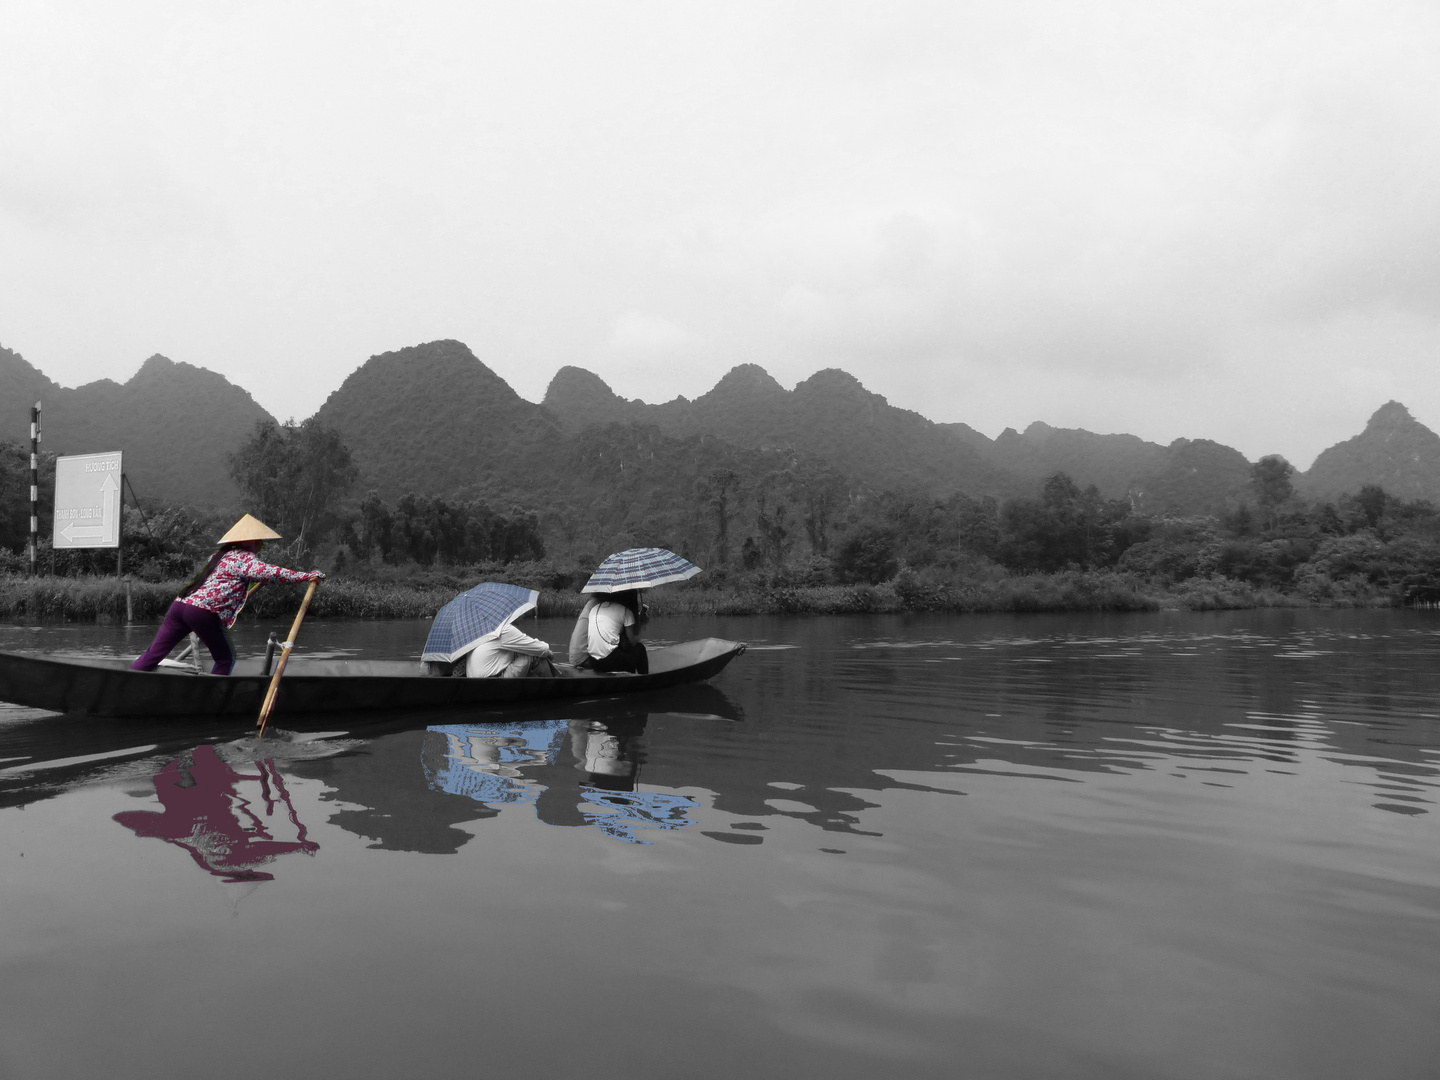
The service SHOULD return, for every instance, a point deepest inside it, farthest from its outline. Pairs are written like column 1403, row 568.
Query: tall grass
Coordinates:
column 419, row 596
column 1215, row 593
column 98, row 599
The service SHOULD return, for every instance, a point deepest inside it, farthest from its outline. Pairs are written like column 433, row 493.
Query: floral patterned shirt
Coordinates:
column 224, row 592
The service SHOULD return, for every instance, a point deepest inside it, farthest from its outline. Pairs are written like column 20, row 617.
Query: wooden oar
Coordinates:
column 285, row 648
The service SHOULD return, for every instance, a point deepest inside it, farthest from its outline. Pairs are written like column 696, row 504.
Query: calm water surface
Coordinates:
column 1152, row 846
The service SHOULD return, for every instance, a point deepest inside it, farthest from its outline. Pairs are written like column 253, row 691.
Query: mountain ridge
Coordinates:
column 1394, row 451
column 829, row 415
column 434, row 419
column 176, row 423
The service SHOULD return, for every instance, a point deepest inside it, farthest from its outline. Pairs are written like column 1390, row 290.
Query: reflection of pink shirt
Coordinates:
column 208, row 815
column 224, row 591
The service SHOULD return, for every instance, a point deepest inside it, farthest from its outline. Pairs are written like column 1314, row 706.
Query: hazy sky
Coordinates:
column 1169, row 217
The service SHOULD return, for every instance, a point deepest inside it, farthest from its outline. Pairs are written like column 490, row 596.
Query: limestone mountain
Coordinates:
column 581, row 399
column 746, row 407
column 433, row 420
column 976, row 440
column 640, row 486
column 1196, row 476
column 1113, row 463
column 1395, row 451
column 830, row 417
column 177, row 424
column 21, row 385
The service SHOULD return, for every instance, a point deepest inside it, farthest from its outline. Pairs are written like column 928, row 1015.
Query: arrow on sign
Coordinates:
column 108, row 490
column 84, row 532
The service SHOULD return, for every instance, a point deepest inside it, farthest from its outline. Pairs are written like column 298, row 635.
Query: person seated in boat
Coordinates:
column 208, row 605
column 510, row 654
column 607, row 633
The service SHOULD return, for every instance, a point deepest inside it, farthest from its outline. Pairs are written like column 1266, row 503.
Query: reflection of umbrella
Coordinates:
column 473, row 615
column 639, row 568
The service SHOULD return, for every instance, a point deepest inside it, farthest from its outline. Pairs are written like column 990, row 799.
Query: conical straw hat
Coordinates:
column 249, row 528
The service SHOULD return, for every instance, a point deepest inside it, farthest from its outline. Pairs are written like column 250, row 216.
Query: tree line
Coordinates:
column 773, row 515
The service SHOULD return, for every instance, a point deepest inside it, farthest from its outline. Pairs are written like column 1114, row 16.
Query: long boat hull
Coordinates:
column 107, row 687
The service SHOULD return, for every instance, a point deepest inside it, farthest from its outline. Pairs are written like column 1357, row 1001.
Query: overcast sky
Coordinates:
column 1167, row 217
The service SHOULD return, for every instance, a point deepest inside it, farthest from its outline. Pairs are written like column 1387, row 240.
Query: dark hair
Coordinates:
column 630, row 598
column 203, row 574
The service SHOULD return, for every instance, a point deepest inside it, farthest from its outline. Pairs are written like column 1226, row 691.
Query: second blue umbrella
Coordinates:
column 473, row 616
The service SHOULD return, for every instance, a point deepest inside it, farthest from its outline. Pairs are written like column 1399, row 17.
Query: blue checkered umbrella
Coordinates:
column 639, row 568
column 473, row 616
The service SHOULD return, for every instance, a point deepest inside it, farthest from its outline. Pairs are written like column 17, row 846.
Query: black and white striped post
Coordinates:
column 34, row 488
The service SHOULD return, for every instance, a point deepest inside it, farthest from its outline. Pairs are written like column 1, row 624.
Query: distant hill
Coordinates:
column 1395, row 451
column 641, row 486
column 829, row 416
column 1197, row 476
column 176, row 423
column 1113, row 463
column 581, row 399
column 433, row 420
column 21, row 385
column 976, row 440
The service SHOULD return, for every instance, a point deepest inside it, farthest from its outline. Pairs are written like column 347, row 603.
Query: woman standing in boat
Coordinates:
column 207, row 607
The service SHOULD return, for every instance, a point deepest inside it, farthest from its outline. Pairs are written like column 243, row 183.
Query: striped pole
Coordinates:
column 34, row 487
column 120, row 534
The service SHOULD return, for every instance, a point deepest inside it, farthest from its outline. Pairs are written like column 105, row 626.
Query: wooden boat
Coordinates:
column 107, row 687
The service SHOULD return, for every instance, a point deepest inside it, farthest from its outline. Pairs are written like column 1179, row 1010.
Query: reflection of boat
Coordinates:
column 107, row 687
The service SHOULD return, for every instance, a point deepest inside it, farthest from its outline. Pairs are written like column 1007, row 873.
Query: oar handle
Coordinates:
column 285, row 648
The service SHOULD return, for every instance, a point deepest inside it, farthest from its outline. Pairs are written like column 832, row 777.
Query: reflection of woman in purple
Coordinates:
column 207, row 607
column 203, row 811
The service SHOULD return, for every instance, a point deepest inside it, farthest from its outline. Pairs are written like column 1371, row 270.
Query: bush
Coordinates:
column 1216, row 593
column 1163, row 561
column 868, row 555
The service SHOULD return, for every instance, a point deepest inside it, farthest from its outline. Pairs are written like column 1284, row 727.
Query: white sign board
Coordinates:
column 87, row 500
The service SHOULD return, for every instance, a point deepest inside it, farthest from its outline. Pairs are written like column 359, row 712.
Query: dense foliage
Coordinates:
column 427, row 531
column 294, row 477
column 788, row 531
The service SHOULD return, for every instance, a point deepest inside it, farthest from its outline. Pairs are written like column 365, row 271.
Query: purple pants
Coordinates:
column 182, row 619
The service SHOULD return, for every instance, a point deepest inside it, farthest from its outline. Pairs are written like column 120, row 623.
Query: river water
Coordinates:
column 1162, row 846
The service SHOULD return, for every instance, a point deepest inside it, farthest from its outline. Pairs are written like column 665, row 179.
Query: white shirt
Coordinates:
column 607, row 623
column 497, row 652
column 584, row 641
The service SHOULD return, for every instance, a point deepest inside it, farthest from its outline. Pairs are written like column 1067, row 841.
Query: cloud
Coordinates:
column 655, row 359
column 93, row 185
column 1131, row 194
column 1033, row 209
column 634, row 335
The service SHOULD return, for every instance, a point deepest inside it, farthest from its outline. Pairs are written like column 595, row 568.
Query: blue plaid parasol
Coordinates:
column 639, row 568
column 473, row 616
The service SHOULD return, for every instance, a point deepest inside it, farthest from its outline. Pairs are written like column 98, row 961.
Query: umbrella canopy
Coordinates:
column 475, row 615
column 639, row 568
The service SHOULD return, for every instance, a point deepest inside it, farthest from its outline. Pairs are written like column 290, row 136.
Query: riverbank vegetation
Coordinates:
column 797, row 539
